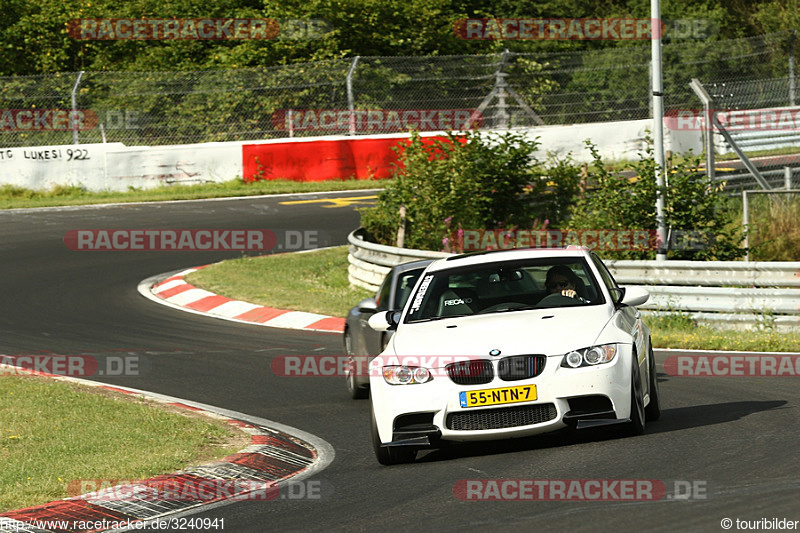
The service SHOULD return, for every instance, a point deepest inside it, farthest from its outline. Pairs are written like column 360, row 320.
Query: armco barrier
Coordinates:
column 733, row 294
column 370, row 262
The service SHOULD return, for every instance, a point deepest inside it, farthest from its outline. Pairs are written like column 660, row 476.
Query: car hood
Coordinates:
column 540, row 331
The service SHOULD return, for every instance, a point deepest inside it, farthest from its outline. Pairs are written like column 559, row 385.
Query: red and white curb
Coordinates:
column 277, row 453
column 174, row 291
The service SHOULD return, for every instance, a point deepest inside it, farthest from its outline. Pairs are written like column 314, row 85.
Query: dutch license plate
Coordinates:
column 480, row 398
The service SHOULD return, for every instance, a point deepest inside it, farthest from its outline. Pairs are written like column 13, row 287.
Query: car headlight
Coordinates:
column 594, row 355
column 406, row 375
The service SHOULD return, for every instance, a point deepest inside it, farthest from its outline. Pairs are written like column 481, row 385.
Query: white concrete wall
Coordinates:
column 42, row 167
column 115, row 167
column 146, row 167
column 622, row 140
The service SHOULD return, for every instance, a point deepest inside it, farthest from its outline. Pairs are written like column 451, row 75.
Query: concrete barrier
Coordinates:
column 116, row 167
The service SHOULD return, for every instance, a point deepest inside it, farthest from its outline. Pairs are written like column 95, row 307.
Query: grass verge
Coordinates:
column 53, row 433
column 680, row 331
column 317, row 282
column 314, row 282
column 16, row 197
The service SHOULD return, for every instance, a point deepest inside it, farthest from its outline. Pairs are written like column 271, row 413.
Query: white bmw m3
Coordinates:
column 511, row 343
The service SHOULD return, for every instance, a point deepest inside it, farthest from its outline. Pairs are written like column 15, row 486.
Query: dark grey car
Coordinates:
column 361, row 342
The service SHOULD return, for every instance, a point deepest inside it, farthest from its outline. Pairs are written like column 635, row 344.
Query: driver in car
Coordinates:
column 562, row 280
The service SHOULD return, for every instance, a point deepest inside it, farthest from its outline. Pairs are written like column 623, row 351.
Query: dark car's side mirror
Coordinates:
column 367, row 306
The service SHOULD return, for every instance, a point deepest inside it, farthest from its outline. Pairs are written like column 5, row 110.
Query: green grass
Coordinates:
column 17, row 197
column 317, row 282
column 314, row 282
column 53, row 433
column 679, row 331
column 789, row 150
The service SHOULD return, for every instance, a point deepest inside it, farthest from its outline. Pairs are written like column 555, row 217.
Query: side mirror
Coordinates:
column 367, row 306
column 384, row 321
column 617, row 294
column 634, row 296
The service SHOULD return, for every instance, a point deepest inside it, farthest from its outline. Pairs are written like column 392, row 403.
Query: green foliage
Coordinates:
column 475, row 182
column 33, row 35
column 774, row 228
column 615, row 203
column 696, row 213
column 695, row 205
column 465, row 181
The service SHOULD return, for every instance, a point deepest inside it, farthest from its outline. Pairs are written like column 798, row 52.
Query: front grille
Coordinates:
column 520, row 367
column 504, row 417
column 470, row 372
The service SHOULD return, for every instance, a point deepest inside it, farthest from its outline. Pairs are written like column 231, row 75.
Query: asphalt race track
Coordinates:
column 734, row 438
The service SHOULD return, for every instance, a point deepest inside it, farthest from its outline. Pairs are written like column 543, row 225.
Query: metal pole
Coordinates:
column 701, row 93
column 791, row 68
column 787, row 178
column 658, row 126
column 350, row 99
column 745, row 223
column 75, row 109
column 745, row 160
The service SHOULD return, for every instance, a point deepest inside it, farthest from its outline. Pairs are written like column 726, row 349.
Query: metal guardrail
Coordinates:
column 732, row 294
column 770, row 130
column 709, row 273
column 370, row 262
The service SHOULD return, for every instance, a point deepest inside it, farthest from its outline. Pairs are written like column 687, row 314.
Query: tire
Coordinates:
column 388, row 455
column 636, row 425
column 355, row 392
column 653, row 410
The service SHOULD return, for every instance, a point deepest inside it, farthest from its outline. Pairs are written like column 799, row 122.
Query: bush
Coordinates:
column 469, row 181
column 696, row 214
column 465, row 181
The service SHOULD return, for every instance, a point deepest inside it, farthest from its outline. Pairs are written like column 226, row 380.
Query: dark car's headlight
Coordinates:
column 406, row 375
column 595, row 355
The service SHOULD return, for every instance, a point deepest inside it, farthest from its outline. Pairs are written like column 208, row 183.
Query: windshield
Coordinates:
column 504, row 287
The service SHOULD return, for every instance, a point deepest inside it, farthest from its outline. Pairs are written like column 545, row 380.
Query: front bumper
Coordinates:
column 422, row 414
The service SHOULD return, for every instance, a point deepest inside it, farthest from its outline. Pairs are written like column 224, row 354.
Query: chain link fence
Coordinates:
column 364, row 95
column 761, row 119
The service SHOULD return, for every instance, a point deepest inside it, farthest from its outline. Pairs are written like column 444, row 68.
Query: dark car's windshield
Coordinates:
column 406, row 282
column 504, row 287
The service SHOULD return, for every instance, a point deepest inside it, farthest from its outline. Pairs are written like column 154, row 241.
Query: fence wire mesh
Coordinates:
column 384, row 94
column 763, row 120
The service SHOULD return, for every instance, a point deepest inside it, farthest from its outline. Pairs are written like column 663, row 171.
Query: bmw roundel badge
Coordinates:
column 494, row 352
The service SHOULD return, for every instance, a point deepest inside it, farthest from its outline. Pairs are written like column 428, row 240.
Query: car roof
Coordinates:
column 405, row 267
column 499, row 256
